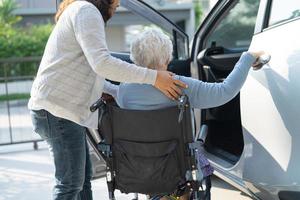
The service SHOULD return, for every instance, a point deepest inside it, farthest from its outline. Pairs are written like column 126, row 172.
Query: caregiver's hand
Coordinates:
column 169, row 86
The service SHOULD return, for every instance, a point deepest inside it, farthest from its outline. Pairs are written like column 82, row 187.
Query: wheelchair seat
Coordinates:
column 151, row 151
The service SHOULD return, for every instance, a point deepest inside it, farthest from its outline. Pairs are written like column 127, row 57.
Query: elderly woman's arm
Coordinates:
column 207, row 95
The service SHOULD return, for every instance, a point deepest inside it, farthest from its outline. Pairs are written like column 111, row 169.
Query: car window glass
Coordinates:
column 284, row 10
column 120, row 37
column 182, row 51
column 235, row 30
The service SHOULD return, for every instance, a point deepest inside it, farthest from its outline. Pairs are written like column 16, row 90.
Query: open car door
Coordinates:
column 218, row 44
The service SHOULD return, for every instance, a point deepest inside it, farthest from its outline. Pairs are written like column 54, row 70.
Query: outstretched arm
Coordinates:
column 206, row 95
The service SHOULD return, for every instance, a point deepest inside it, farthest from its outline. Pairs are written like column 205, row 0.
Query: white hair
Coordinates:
column 152, row 49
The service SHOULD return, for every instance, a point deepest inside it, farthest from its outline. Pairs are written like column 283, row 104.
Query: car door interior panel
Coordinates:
column 224, row 137
column 221, row 40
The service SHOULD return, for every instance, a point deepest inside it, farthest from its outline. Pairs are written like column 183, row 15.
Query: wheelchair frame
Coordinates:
column 193, row 183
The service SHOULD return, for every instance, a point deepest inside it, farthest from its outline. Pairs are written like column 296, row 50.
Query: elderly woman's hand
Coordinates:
column 261, row 59
column 168, row 85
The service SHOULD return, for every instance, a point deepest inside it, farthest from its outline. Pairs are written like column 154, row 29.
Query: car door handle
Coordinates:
column 262, row 60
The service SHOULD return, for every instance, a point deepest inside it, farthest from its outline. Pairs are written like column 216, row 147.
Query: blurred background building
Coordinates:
column 122, row 24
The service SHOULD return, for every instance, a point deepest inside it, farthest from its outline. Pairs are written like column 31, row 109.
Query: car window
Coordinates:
column 148, row 16
column 121, row 37
column 235, row 30
column 181, row 51
column 283, row 11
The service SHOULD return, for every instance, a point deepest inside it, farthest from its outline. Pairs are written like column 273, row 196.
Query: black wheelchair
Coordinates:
column 150, row 152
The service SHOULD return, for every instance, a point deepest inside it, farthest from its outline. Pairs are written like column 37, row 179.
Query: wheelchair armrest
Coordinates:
column 202, row 134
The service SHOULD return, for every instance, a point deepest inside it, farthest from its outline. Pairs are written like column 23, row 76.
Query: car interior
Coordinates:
column 224, row 134
column 222, row 38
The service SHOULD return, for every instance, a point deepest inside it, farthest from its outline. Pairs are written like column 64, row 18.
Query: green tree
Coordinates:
column 198, row 13
column 7, row 17
column 20, row 41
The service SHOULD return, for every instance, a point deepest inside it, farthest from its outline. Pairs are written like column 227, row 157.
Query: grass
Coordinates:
column 17, row 96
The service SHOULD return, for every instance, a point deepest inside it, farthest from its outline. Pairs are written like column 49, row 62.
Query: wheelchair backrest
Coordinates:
column 153, row 136
column 146, row 125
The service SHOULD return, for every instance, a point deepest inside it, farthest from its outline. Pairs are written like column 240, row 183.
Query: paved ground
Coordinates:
column 27, row 175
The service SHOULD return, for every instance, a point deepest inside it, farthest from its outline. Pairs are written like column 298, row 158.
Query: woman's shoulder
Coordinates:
column 80, row 6
column 82, row 11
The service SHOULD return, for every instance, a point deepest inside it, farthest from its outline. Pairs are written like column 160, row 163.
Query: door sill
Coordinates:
column 218, row 162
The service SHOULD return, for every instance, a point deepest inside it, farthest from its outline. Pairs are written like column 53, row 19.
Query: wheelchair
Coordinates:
column 152, row 152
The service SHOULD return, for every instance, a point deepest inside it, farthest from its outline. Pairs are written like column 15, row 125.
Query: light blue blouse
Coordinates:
column 201, row 94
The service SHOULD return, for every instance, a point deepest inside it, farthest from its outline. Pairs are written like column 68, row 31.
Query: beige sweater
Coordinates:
column 75, row 64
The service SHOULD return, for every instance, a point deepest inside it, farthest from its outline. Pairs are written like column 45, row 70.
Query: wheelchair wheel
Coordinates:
column 204, row 194
column 200, row 195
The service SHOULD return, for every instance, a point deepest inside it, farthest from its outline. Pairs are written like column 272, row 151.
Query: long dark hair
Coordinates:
column 104, row 6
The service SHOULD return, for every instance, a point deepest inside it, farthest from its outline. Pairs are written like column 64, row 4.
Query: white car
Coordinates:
column 254, row 140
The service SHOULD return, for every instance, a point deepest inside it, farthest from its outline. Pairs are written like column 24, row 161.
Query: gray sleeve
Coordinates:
column 89, row 31
column 206, row 95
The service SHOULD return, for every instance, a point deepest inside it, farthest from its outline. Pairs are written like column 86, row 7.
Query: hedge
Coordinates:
column 23, row 42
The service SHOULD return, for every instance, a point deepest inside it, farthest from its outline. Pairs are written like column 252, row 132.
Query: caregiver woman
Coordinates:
column 70, row 78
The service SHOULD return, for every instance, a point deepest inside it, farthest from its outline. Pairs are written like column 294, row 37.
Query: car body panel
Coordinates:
column 270, row 111
column 269, row 162
column 225, row 170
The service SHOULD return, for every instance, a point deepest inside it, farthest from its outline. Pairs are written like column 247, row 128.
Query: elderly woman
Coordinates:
column 154, row 49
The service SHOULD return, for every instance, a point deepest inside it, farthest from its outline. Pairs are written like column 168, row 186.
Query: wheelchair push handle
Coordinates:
column 182, row 104
column 97, row 105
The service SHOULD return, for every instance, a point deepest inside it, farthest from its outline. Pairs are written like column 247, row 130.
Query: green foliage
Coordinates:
column 22, row 42
column 14, row 97
column 198, row 13
column 6, row 12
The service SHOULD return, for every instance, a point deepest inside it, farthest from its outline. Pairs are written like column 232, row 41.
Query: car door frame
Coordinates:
column 220, row 9
column 212, row 18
